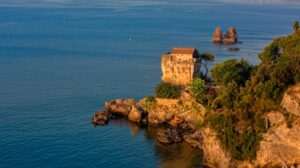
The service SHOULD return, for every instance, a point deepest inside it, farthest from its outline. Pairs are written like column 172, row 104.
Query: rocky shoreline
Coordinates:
column 178, row 120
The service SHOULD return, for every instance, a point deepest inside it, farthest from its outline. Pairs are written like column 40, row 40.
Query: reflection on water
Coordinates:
column 180, row 155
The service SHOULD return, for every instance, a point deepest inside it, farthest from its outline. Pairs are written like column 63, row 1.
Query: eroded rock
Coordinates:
column 101, row 118
column 194, row 139
column 230, row 37
column 137, row 114
column 169, row 136
column 280, row 145
column 120, row 106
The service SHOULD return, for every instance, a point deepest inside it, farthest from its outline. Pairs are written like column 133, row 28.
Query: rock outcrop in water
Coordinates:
column 230, row 37
column 218, row 35
column 119, row 106
column 101, row 118
column 169, row 136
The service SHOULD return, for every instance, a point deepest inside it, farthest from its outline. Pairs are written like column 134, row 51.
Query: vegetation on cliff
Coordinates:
column 198, row 90
column 246, row 93
column 243, row 94
column 167, row 90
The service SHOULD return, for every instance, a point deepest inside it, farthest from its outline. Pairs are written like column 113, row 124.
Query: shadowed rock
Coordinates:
column 231, row 36
column 169, row 136
column 137, row 114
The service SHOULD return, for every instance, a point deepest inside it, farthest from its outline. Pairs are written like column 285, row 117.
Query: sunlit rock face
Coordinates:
column 281, row 144
column 180, row 66
column 291, row 100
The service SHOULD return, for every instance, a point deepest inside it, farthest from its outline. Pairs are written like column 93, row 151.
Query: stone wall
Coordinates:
column 179, row 70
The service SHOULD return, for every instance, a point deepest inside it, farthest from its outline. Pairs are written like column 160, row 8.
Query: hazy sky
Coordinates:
column 121, row 3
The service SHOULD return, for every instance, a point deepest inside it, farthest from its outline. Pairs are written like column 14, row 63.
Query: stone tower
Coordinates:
column 180, row 66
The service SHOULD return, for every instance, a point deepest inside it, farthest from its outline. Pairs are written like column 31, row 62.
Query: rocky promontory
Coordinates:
column 244, row 116
column 280, row 145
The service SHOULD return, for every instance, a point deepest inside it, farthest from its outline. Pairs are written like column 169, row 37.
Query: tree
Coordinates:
column 296, row 26
column 205, row 58
column 231, row 70
column 198, row 89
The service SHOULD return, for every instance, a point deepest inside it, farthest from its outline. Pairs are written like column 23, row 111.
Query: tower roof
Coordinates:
column 184, row 51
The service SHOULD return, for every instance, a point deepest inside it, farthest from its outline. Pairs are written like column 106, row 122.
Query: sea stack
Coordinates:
column 231, row 36
column 218, row 35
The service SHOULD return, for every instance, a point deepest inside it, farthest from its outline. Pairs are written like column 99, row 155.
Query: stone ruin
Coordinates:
column 231, row 36
column 180, row 66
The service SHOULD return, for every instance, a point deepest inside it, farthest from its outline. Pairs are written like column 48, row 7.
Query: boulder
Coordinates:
column 169, row 136
column 218, row 35
column 233, row 49
column 101, row 118
column 120, row 106
column 136, row 114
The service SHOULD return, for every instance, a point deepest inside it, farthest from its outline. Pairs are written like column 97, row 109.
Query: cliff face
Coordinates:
column 179, row 71
column 281, row 145
column 214, row 154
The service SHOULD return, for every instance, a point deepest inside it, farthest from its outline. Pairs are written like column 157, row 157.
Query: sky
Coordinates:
column 121, row 3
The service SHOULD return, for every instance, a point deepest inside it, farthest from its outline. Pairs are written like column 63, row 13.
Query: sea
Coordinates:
column 60, row 60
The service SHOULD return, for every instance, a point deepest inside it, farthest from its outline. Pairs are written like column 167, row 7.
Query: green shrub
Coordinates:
column 198, row 90
column 167, row 90
column 231, row 70
column 150, row 100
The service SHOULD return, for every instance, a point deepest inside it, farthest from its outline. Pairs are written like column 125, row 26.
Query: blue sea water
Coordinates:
column 61, row 59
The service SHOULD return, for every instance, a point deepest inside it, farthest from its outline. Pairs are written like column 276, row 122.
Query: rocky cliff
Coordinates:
column 281, row 144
